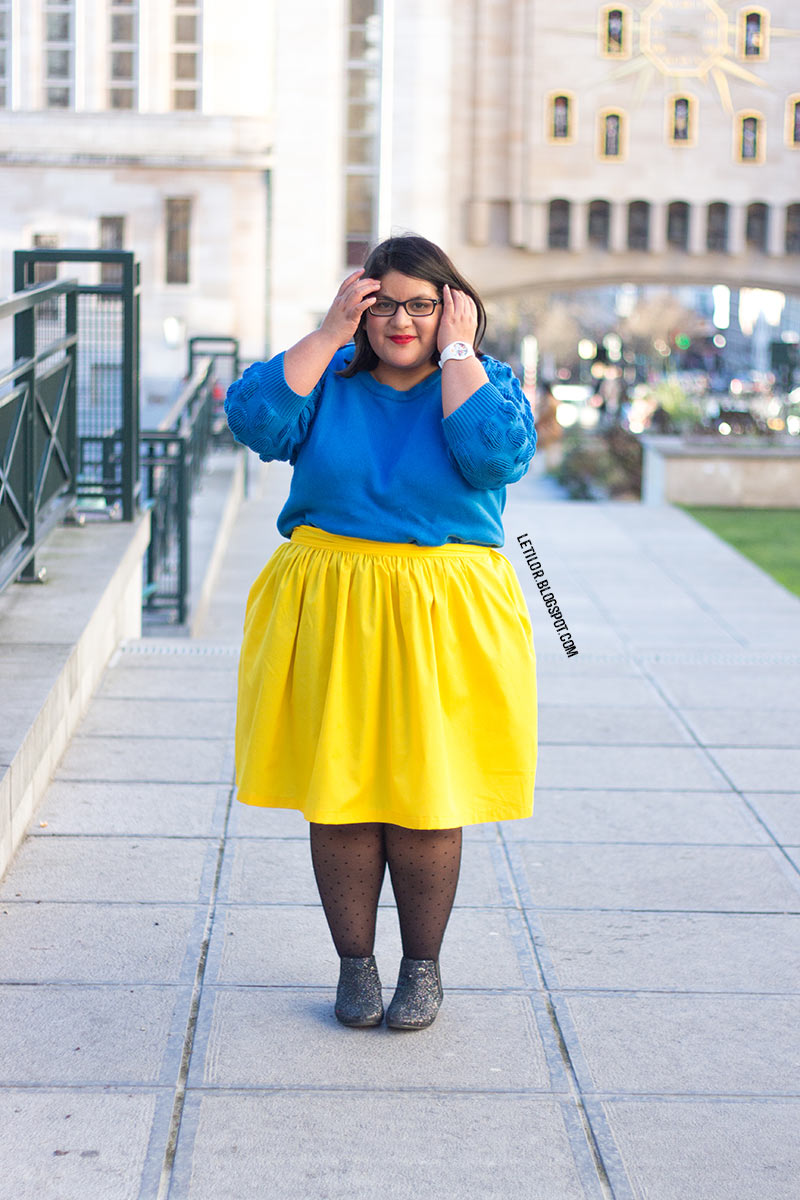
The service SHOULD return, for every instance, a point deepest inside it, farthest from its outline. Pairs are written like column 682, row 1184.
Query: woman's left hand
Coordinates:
column 459, row 321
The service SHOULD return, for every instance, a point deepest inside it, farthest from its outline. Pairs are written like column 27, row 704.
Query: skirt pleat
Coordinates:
column 383, row 681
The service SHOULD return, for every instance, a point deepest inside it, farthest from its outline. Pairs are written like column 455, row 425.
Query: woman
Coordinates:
column 387, row 679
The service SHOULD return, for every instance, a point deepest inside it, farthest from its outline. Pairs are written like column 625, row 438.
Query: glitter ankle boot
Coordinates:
column 418, row 997
column 358, row 997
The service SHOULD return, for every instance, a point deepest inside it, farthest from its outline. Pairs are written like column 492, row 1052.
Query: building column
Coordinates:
column 537, row 226
column 478, row 222
column 776, row 230
column 618, row 227
column 658, row 228
column 698, row 219
column 737, row 221
column 578, row 226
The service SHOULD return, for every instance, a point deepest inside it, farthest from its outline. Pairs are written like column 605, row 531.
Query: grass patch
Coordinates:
column 769, row 537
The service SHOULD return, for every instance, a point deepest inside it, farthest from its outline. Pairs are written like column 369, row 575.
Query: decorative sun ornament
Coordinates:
column 684, row 37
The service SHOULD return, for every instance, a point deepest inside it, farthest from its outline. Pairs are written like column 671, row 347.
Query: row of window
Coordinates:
column 616, row 26
column 177, row 229
column 123, row 54
column 681, row 127
column 639, row 222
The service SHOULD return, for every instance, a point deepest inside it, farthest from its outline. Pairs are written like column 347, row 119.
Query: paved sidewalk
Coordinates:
column 621, row 1016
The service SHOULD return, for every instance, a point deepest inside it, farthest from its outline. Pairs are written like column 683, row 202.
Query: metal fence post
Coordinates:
column 25, row 347
column 184, row 491
column 71, row 437
column 130, row 396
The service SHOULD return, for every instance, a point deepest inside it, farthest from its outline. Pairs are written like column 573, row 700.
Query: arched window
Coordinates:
column 793, row 229
column 756, row 226
column 678, row 225
column 793, row 121
column 611, row 144
column 638, row 225
column 752, row 38
column 681, row 123
column 599, row 224
column 717, row 228
column 560, row 118
column 615, row 31
column 751, row 138
column 558, row 225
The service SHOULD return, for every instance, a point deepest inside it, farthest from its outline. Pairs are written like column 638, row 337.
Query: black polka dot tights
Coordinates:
column 349, row 864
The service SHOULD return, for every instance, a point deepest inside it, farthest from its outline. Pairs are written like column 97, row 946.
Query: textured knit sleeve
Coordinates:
column 491, row 437
column 265, row 414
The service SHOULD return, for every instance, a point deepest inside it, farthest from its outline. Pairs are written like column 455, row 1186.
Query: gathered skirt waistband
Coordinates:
column 310, row 535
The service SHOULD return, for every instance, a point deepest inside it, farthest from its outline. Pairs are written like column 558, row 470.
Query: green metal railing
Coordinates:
column 38, row 426
column 69, row 419
column 108, row 370
column 172, row 459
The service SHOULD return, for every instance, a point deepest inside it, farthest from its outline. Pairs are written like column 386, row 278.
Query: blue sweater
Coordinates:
column 373, row 462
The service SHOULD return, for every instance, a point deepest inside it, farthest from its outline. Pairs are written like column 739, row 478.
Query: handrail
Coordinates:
column 28, row 298
column 38, row 469
column 186, row 396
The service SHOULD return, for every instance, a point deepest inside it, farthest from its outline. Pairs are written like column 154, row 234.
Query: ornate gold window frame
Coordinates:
column 627, row 32
column 741, row 34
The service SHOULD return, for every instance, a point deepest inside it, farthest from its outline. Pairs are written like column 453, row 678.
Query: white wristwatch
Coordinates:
column 456, row 350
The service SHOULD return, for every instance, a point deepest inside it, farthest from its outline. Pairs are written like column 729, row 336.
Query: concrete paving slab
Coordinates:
column 280, row 871
column 719, row 1149
column 265, row 871
column 94, row 943
column 585, row 815
column 739, row 727
column 248, row 820
column 164, row 682
column 569, row 723
column 154, row 870
column 131, row 809
column 696, row 1044
column 695, row 952
column 109, row 1035
column 70, row 1145
column 593, row 688
column 168, row 760
column 394, row 1145
column 665, row 767
column 288, row 946
column 478, row 1043
column 780, row 811
column 744, row 686
column 116, row 717
column 753, row 770
column 678, row 878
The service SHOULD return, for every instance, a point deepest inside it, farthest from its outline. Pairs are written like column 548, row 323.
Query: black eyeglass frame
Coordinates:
column 404, row 304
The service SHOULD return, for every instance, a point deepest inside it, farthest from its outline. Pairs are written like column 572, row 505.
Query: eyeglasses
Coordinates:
column 421, row 307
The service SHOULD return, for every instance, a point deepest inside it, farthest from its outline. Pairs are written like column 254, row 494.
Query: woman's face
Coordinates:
column 404, row 344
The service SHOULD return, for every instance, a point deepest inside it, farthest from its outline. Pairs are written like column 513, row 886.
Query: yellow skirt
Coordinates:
column 384, row 681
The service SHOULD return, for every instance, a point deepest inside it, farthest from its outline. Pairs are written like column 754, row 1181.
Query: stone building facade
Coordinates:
column 250, row 153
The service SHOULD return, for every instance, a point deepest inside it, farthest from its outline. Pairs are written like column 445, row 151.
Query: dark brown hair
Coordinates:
column 419, row 259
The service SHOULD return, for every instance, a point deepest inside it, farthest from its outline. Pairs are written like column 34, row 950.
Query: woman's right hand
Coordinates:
column 352, row 300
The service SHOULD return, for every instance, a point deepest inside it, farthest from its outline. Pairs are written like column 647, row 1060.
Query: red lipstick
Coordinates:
column 401, row 340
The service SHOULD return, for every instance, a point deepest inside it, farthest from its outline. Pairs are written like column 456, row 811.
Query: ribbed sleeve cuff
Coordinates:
column 461, row 425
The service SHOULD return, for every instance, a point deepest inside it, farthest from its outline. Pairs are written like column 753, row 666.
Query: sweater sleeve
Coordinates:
column 491, row 437
column 265, row 414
